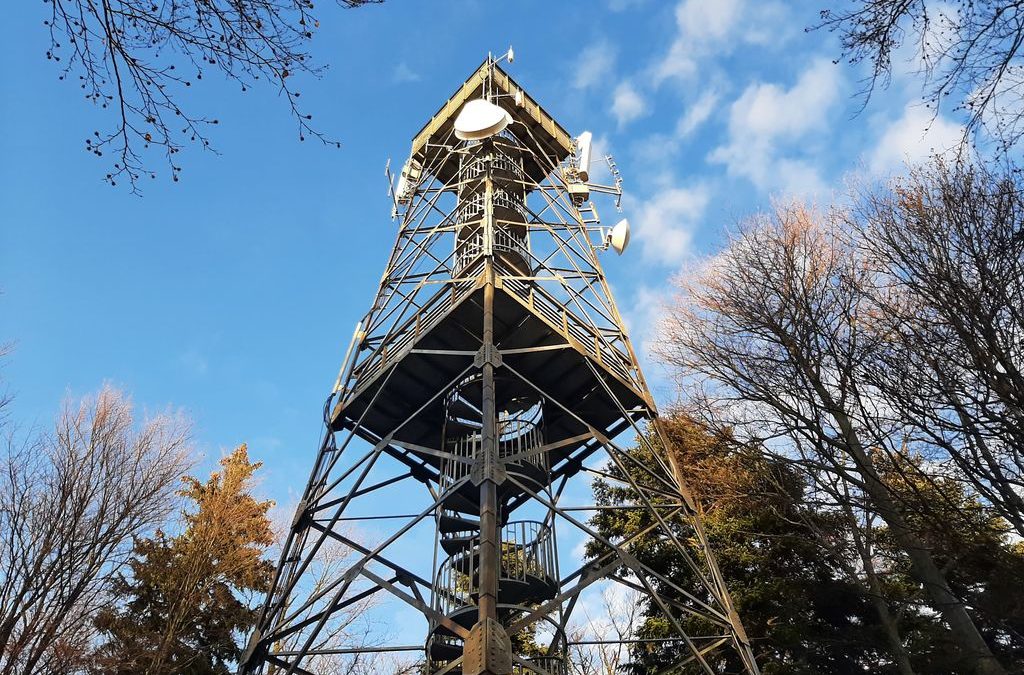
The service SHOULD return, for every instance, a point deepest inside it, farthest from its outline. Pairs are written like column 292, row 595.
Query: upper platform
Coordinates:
column 535, row 128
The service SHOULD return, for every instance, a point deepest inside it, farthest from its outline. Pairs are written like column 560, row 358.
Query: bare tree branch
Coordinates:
column 71, row 503
column 778, row 327
column 967, row 52
column 139, row 58
column 948, row 244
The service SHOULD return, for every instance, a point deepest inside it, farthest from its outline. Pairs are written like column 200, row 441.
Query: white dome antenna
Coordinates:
column 618, row 236
column 480, row 119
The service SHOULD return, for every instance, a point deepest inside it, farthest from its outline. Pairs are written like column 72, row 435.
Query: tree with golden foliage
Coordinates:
column 184, row 609
column 802, row 613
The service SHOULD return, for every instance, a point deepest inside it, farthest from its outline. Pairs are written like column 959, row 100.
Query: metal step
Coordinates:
column 588, row 213
column 441, row 650
column 448, row 524
column 456, row 545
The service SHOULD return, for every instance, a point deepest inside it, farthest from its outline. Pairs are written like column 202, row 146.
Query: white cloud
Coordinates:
column 696, row 114
column 594, row 64
column 769, row 128
column 627, row 104
column 658, row 152
column 767, row 110
column 799, row 177
column 664, row 224
column 402, row 73
column 643, row 316
column 706, row 28
column 913, row 137
column 708, row 21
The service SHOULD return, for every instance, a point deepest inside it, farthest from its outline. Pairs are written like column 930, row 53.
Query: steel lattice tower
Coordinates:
column 491, row 373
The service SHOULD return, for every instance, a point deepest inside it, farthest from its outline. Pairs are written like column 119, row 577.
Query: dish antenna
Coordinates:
column 480, row 119
column 618, row 237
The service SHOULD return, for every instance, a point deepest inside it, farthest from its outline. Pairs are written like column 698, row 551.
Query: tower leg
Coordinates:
column 488, row 648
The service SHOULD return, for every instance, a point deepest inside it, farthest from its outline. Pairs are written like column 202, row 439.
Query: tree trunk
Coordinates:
column 892, row 634
column 975, row 650
column 888, row 621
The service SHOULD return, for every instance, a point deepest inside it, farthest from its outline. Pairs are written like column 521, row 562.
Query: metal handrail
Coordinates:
column 527, row 550
column 567, row 322
column 469, row 249
column 429, row 314
column 498, row 161
column 520, row 435
column 550, row 664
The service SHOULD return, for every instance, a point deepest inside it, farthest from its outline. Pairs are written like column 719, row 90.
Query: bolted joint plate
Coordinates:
column 487, row 467
column 487, row 354
column 488, row 650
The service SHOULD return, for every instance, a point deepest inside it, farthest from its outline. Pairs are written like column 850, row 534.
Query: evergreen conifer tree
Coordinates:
column 794, row 571
column 182, row 610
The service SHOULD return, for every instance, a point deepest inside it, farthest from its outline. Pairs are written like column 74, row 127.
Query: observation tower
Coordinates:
column 491, row 378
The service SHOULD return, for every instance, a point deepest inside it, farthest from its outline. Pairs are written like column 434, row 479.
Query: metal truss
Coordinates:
column 491, row 372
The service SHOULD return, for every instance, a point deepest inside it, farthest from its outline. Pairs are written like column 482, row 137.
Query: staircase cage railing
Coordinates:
column 551, row 665
column 474, row 167
column 527, row 551
column 524, row 441
column 520, row 432
column 472, row 247
column 471, row 207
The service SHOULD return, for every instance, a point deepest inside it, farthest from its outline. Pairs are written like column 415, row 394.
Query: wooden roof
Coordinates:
column 536, row 129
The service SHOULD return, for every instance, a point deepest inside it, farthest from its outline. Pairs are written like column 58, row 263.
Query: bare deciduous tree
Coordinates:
column 71, row 502
column 948, row 243
column 139, row 58
column 968, row 51
column 776, row 327
column 601, row 646
column 851, row 547
column 354, row 626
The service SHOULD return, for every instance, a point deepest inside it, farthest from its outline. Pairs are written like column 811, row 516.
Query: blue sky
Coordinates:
column 232, row 294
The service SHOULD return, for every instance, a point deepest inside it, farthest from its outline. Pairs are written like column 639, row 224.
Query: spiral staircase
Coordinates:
column 528, row 574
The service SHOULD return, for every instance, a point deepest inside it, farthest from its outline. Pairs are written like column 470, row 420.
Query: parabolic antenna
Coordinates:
column 480, row 119
column 618, row 238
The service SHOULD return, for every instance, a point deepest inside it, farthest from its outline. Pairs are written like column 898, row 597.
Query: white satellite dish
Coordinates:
column 480, row 119
column 618, row 238
column 583, row 146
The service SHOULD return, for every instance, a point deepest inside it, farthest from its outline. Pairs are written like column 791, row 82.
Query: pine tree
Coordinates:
column 181, row 610
column 801, row 611
column 794, row 571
